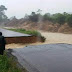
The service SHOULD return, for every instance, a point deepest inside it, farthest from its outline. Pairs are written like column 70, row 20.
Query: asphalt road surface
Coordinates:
column 8, row 33
column 45, row 58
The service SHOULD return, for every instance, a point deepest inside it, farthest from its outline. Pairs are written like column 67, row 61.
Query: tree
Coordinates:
column 47, row 16
column 33, row 17
column 65, row 14
column 69, row 20
column 59, row 18
column 3, row 17
column 2, row 8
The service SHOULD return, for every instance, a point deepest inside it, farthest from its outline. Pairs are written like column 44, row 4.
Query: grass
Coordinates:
column 35, row 33
column 31, row 32
column 7, row 64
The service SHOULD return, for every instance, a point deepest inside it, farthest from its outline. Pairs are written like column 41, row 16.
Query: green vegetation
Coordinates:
column 43, row 39
column 3, row 17
column 7, row 64
column 59, row 18
column 35, row 33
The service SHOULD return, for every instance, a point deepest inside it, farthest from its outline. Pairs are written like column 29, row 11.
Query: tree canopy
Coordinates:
column 60, row 18
column 3, row 17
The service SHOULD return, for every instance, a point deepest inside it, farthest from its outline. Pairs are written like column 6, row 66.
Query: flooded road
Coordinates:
column 56, row 37
column 45, row 58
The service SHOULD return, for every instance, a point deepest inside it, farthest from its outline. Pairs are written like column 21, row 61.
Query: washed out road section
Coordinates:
column 8, row 33
column 45, row 58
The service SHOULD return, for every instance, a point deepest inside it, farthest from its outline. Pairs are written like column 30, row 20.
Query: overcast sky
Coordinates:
column 19, row 8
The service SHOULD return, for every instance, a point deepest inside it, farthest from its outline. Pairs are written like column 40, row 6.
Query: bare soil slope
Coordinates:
column 43, row 25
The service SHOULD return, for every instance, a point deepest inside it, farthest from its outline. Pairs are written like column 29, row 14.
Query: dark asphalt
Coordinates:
column 45, row 58
column 8, row 33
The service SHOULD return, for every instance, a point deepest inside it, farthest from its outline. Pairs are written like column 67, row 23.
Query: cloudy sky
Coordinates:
column 19, row 8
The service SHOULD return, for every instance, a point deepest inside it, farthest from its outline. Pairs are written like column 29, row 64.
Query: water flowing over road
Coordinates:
column 56, row 37
column 51, row 38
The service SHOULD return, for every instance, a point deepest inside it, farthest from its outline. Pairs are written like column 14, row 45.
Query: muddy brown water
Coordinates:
column 51, row 38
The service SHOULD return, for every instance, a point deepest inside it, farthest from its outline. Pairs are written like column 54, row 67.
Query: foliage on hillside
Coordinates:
column 57, row 22
column 60, row 18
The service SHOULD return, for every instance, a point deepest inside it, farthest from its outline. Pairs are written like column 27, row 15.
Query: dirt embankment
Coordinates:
column 43, row 25
column 52, row 32
column 51, row 38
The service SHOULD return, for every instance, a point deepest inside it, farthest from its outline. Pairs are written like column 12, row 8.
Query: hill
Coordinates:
column 44, row 25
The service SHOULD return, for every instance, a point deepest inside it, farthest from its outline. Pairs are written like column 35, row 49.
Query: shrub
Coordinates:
column 34, row 33
column 43, row 39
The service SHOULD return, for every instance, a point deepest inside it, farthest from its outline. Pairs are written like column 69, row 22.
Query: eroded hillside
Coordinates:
column 44, row 25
